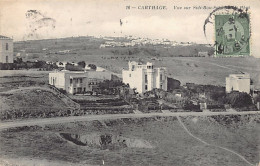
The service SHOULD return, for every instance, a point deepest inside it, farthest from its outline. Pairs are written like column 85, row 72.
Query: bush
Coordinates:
column 63, row 91
column 92, row 66
column 190, row 106
column 73, row 68
column 7, row 66
column 172, row 84
column 239, row 99
column 82, row 64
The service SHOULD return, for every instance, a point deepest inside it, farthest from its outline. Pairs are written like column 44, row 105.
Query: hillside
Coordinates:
column 180, row 66
column 31, row 102
column 44, row 49
column 141, row 141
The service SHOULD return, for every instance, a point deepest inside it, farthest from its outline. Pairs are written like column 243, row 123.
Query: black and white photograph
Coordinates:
column 129, row 83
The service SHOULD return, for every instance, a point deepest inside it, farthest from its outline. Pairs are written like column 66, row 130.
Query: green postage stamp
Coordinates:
column 232, row 34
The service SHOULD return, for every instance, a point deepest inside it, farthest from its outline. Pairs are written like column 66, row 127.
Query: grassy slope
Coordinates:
column 210, row 70
column 173, row 146
column 241, row 136
column 30, row 99
column 13, row 79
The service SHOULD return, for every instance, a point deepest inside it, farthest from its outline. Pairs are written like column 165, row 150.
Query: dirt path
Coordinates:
column 59, row 120
column 199, row 139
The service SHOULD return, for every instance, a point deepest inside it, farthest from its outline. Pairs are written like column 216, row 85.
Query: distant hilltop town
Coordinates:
column 138, row 41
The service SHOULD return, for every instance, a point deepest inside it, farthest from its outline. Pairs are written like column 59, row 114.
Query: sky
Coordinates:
column 43, row 19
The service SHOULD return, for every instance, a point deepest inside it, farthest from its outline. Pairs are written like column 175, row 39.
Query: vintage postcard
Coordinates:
column 129, row 82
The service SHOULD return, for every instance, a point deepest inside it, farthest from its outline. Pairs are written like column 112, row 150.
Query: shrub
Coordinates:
column 239, row 99
column 82, row 64
column 172, row 84
column 92, row 66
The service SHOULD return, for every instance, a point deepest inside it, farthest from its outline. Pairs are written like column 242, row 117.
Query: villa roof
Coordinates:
column 240, row 76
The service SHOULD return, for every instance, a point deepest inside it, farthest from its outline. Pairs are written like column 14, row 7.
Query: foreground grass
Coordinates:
column 235, row 132
column 172, row 145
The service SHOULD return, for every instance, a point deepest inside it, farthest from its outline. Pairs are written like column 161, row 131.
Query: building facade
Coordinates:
column 6, row 50
column 77, row 82
column 238, row 82
column 144, row 77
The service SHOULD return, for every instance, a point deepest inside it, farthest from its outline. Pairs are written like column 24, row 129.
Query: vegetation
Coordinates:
column 72, row 67
column 172, row 84
column 109, row 87
column 239, row 99
column 82, row 64
column 171, row 144
column 20, row 64
column 92, row 66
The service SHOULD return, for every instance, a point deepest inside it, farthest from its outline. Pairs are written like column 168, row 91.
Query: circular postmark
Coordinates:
column 231, row 31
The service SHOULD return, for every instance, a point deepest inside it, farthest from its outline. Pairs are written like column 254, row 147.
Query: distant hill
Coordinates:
column 180, row 60
column 35, row 49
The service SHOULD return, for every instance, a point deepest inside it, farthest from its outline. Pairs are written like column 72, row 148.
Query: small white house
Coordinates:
column 238, row 82
column 6, row 50
column 144, row 77
column 77, row 81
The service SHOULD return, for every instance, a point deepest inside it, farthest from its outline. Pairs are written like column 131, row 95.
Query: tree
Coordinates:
column 71, row 67
column 239, row 99
column 92, row 66
column 39, row 64
column 18, row 60
column 172, row 84
column 82, row 64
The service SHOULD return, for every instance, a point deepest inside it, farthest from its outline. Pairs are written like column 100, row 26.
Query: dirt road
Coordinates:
column 199, row 139
column 58, row 120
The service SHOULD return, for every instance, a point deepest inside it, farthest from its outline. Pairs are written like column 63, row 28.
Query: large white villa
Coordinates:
column 144, row 77
column 238, row 82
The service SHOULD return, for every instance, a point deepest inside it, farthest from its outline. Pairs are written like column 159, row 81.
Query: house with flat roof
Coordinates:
column 6, row 50
column 238, row 82
column 77, row 81
column 145, row 77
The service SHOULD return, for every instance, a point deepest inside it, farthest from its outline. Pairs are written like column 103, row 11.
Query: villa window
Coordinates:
column 145, row 87
column 149, row 67
column 133, row 67
column 129, row 75
column 160, row 77
column 6, row 46
column 161, row 86
column 145, row 79
column 80, row 80
column 6, row 59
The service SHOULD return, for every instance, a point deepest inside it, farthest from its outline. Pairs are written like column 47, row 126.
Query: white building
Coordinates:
column 144, row 77
column 77, row 82
column 238, row 82
column 6, row 50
